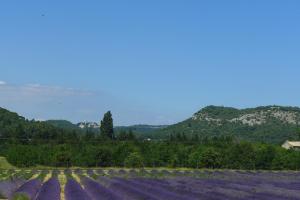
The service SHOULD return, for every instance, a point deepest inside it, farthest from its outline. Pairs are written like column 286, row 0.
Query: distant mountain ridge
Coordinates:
column 62, row 124
column 141, row 129
column 251, row 117
column 272, row 124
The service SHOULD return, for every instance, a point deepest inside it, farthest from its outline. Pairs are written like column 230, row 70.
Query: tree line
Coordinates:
column 214, row 155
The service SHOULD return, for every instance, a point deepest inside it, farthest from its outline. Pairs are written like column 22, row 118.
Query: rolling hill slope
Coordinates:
column 14, row 127
column 142, row 130
column 63, row 124
column 272, row 124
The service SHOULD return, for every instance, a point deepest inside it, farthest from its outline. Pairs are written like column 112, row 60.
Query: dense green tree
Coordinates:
column 107, row 127
column 174, row 161
column 121, row 151
column 89, row 135
column 195, row 158
column 126, row 136
column 265, row 155
column 22, row 156
column 205, row 157
column 122, row 136
column 62, row 156
column 210, row 158
column 134, row 160
column 104, row 157
column 281, row 160
column 240, row 156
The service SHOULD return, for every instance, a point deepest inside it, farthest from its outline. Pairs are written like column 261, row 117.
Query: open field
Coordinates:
column 131, row 184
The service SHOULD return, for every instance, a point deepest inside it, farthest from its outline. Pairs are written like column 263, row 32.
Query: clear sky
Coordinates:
column 154, row 62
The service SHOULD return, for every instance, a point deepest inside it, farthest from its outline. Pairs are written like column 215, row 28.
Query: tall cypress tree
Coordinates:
column 107, row 126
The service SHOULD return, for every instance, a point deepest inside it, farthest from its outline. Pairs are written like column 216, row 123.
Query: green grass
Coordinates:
column 4, row 164
column 20, row 197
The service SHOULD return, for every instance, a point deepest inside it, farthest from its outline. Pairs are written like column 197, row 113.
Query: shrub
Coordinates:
column 134, row 160
column 20, row 197
column 210, row 158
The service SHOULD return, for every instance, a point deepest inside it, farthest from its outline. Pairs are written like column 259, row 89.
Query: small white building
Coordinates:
column 295, row 145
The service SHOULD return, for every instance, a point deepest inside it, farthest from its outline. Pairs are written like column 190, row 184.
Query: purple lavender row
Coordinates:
column 157, row 191
column 128, row 192
column 97, row 191
column 261, row 176
column 73, row 191
column 8, row 187
column 160, row 187
column 29, row 189
column 238, row 189
column 185, row 191
column 209, row 187
column 267, row 196
column 50, row 190
column 248, row 187
column 290, row 185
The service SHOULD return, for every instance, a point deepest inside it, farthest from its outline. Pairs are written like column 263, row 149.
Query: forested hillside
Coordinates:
column 272, row 124
column 29, row 143
column 142, row 131
column 63, row 124
column 17, row 129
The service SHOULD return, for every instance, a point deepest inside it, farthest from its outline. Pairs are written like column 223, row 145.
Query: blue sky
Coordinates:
column 154, row 62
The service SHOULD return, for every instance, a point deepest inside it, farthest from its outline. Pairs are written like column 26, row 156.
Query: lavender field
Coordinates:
column 120, row 184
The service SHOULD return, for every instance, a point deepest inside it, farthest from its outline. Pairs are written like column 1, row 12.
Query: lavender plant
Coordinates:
column 50, row 190
column 29, row 189
column 98, row 191
column 73, row 191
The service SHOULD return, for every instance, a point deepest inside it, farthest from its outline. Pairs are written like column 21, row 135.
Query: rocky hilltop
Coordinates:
column 250, row 117
column 272, row 124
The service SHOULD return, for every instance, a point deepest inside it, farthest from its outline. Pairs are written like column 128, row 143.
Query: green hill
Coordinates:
column 16, row 128
column 63, row 124
column 271, row 124
column 142, row 131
